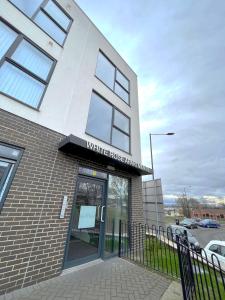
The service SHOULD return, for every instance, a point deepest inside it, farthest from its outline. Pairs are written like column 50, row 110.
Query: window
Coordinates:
column 117, row 209
column 9, row 159
column 112, row 77
column 218, row 249
column 215, row 248
column 28, row 7
column 106, row 123
column 92, row 173
column 223, row 251
column 24, row 69
column 49, row 16
column 100, row 118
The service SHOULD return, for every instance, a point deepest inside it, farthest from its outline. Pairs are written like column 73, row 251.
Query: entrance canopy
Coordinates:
column 90, row 151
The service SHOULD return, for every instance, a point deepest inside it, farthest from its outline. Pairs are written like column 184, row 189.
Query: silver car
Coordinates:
column 174, row 230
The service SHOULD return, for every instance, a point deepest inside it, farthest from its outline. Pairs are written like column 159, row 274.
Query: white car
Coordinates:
column 218, row 248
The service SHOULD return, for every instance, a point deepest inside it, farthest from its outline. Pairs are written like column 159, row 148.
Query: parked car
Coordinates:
column 209, row 223
column 197, row 220
column 174, row 230
column 218, row 248
column 189, row 223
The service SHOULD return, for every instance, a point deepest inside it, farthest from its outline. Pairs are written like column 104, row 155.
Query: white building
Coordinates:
column 70, row 158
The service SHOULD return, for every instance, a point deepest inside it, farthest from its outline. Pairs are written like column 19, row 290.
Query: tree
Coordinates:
column 182, row 202
column 187, row 204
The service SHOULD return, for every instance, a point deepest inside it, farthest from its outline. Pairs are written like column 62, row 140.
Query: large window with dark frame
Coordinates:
column 48, row 15
column 108, row 124
column 9, row 159
column 108, row 73
column 25, row 70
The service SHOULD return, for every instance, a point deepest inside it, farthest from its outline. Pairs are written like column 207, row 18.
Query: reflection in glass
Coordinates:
column 57, row 14
column 7, row 37
column 92, row 173
column 99, row 118
column 120, row 140
column 9, row 152
column 122, row 93
column 117, row 209
column 105, row 70
column 84, row 239
column 50, row 27
column 27, row 6
column 121, row 121
column 32, row 59
column 122, row 80
column 5, row 173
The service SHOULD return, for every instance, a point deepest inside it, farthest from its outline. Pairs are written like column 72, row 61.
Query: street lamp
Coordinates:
column 153, row 175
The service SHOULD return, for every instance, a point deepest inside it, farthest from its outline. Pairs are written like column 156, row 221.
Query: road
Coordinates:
column 205, row 235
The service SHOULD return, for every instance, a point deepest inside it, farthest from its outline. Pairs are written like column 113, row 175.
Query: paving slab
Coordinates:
column 173, row 292
column 112, row 279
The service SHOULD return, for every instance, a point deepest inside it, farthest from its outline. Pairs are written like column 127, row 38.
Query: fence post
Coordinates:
column 120, row 231
column 180, row 267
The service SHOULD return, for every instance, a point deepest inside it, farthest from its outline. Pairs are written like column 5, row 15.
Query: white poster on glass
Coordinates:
column 87, row 217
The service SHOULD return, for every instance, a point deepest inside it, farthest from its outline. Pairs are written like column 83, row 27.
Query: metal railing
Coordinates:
column 202, row 277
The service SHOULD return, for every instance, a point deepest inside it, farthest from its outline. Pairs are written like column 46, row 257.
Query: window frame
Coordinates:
column 15, row 167
column 112, row 125
column 115, row 80
column 7, row 57
column 41, row 8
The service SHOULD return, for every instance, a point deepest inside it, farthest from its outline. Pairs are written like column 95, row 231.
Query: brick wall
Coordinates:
column 32, row 237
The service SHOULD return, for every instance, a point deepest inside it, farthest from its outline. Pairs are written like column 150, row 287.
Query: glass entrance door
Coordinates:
column 87, row 222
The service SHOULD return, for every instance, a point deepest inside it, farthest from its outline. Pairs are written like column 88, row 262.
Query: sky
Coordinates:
column 177, row 49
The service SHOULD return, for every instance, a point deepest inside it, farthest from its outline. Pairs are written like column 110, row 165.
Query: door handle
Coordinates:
column 102, row 214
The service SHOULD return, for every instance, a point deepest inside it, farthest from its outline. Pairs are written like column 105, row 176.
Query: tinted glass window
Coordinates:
column 215, row 248
column 105, row 70
column 223, row 251
column 117, row 209
column 7, row 168
column 25, row 70
column 50, row 27
column 92, row 173
column 57, row 14
column 7, row 37
column 122, row 80
column 112, row 77
column 27, row 6
column 5, row 173
column 121, row 121
column 48, row 15
column 120, row 140
column 3, row 169
column 99, row 118
column 15, row 83
column 32, row 59
column 121, row 92
column 9, row 152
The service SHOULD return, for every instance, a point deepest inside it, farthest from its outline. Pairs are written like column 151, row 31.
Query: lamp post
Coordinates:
column 153, row 173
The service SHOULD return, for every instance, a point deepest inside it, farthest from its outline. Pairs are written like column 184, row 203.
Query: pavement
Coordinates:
column 112, row 279
column 173, row 292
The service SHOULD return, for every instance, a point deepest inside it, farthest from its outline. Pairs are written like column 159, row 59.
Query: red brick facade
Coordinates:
column 215, row 213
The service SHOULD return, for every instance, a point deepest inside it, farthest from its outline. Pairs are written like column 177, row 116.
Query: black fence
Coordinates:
column 201, row 276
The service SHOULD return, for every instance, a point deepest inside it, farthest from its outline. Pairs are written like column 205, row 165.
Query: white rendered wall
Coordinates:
column 66, row 102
